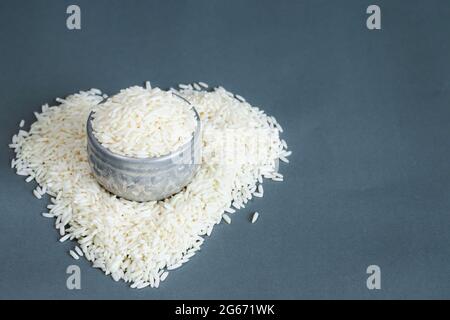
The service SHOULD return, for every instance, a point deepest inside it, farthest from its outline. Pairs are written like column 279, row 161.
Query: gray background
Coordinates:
column 366, row 114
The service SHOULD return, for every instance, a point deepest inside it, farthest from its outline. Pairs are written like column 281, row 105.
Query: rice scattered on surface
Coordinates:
column 164, row 276
column 74, row 255
column 37, row 194
column 226, row 218
column 65, row 238
column 137, row 242
column 255, row 217
column 284, row 159
column 260, row 189
column 79, row 251
column 230, row 210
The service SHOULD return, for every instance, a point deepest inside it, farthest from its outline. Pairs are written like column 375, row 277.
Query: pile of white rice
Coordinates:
column 144, row 123
column 140, row 242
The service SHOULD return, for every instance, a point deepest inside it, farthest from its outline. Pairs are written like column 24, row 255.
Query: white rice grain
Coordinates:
column 164, row 276
column 65, row 238
column 79, row 251
column 226, row 218
column 47, row 215
column 175, row 266
column 260, row 189
column 255, row 217
column 74, row 255
column 240, row 98
column 37, row 194
column 230, row 210
column 284, row 159
column 143, row 123
column 142, row 285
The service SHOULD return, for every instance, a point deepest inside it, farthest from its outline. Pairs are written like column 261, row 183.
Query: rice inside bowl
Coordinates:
column 143, row 123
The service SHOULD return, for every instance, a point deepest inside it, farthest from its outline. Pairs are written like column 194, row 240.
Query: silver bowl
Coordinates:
column 145, row 179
